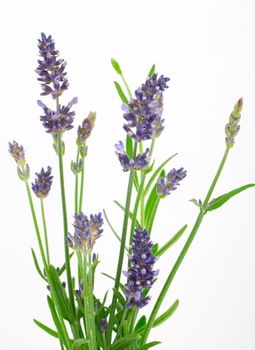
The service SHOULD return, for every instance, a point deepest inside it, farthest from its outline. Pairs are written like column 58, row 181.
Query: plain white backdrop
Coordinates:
column 207, row 49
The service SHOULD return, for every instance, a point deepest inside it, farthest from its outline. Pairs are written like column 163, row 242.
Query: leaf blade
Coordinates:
column 219, row 201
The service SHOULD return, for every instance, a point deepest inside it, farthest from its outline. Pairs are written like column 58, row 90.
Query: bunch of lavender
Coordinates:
column 81, row 320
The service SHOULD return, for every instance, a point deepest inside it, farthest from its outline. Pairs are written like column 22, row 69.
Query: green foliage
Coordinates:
column 46, row 329
column 149, row 345
column 121, row 92
column 123, row 343
column 152, row 71
column 37, row 265
column 116, row 66
column 171, row 241
column 219, row 201
column 168, row 313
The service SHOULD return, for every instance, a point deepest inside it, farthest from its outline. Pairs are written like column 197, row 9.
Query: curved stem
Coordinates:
column 45, row 231
column 182, row 254
column 91, row 301
column 126, row 85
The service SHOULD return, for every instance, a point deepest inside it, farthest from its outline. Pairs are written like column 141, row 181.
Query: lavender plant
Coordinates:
column 81, row 320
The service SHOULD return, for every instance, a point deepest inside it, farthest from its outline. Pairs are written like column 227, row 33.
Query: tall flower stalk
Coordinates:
column 81, row 320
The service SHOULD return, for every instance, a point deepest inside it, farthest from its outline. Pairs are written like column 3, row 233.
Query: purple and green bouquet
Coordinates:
column 81, row 320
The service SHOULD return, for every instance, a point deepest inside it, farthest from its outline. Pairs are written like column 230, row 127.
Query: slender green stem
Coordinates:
column 91, row 301
column 121, row 324
column 37, row 231
column 65, row 224
column 182, row 254
column 76, row 182
column 85, row 296
column 126, row 85
column 121, row 257
column 82, row 185
column 54, row 297
column 45, row 231
column 61, row 345
column 137, row 201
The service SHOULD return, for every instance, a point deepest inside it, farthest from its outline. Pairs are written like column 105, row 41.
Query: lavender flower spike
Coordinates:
column 84, row 130
column 51, row 69
column 140, row 162
column 143, row 113
column 43, row 182
column 58, row 122
column 168, row 184
column 17, row 152
column 140, row 275
column 86, row 231
column 232, row 128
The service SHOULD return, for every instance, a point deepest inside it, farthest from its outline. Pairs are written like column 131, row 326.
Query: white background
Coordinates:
column 207, row 48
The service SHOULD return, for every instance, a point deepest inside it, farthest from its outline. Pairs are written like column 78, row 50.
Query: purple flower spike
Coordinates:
column 43, row 182
column 51, row 69
column 170, row 182
column 17, row 152
column 140, row 275
column 233, row 127
column 54, row 122
column 84, row 130
column 143, row 113
column 86, row 231
column 140, row 162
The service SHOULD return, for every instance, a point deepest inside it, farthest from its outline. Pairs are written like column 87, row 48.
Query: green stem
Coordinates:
column 182, row 254
column 54, row 297
column 153, row 214
column 45, row 231
column 139, row 193
column 91, row 301
column 38, row 236
column 65, row 224
column 82, row 185
column 121, row 255
column 85, row 296
column 76, row 182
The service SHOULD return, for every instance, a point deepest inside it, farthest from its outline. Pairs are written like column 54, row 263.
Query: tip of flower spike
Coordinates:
column 232, row 128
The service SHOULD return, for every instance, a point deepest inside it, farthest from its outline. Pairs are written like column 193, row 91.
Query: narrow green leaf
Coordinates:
column 168, row 313
column 56, row 321
column 149, row 169
column 219, row 201
column 64, row 265
column 129, row 147
column 123, row 208
column 120, row 297
column 79, row 343
column 46, row 329
column 37, row 265
column 125, row 342
column 112, row 229
column 156, row 173
column 121, row 93
column 61, row 294
column 154, row 249
column 171, row 241
column 149, row 345
column 140, row 324
column 152, row 205
column 112, row 278
column 116, row 66
column 152, row 71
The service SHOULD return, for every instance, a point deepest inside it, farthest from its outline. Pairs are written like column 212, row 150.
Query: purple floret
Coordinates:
column 143, row 113
column 51, row 69
column 169, row 183
column 58, row 122
column 43, row 182
column 140, row 275
column 140, row 162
